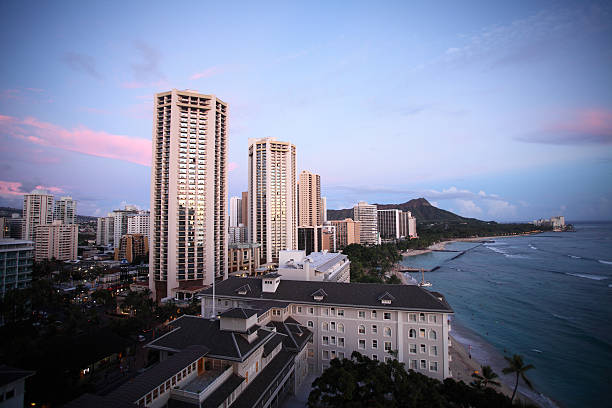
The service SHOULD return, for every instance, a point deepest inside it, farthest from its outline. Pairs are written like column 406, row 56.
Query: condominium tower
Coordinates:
column 106, row 230
column 37, row 210
column 120, row 222
column 139, row 223
column 367, row 215
column 309, row 199
column 272, row 196
column 188, row 245
column 64, row 210
column 235, row 213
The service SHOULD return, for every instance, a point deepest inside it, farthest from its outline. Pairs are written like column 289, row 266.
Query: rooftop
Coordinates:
column 9, row 374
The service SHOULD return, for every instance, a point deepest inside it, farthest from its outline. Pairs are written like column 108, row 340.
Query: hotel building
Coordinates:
column 64, row 210
column 243, row 258
column 120, row 222
column 389, row 224
column 366, row 214
column 105, row 232
column 37, row 210
column 56, row 240
column 408, row 224
column 272, row 196
column 235, row 212
column 309, row 200
column 347, row 232
column 132, row 246
column 316, row 266
column 16, row 257
column 188, row 192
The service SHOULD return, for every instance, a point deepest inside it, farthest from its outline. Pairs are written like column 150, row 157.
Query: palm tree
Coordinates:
column 517, row 366
column 487, row 378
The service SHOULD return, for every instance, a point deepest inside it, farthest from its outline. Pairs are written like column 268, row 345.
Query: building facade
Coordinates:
column 347, row 232
column 132, row 247
column 323, row 210
column 389, row 224
column 16, row 258
column 235, row 212
column 367, row 215
column 64, row 210
column 56, row 240
column 188, row 242
column 238, row 234
column 408, row 225
column 243, row 258
column 105, row 232
column 272, row 196
column 37, row 210
column 309, row 200
column 139, row 223
column 120, row 222
column 245, row 208
column 380, row 321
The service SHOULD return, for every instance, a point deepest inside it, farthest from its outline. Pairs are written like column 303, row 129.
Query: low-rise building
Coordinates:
column 347, row 232
column 381, row 321
column 133, row 247
column 56, row 240
column 243, row 258
column 16, row 258
column 12, row 386
column 317, row 266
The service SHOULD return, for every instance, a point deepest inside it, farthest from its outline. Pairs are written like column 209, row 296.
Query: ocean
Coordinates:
column 547, row 297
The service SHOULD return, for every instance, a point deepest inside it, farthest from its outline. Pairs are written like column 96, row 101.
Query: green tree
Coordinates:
column 105, row 298
column 517, row 366
column 487, row 378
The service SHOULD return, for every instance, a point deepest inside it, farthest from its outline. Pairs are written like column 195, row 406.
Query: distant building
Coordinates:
column 37, row 210
column 235, row 212
column 243, row 258
column 556, row 223
column 120, row 222
column 64, row 210
column 316, row 239
column 238, row 234
column 139, row 223
column 245, row 208
column 328, row 238
column 131, row 247
column 389, row 224
column 57, row 241
column 309, row 200
column 408, row 224
column 16, row 258
column 323, row 210
column 367, row 215
column 11, row 227
column 272, row 196
column 347, row 232
column 318, row 266
column 12, row 386
column 105, row 232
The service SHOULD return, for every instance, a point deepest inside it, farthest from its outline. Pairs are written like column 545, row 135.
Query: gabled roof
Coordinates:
column 319, row 293
column 407, row 297
column 244, row 289
column 386, row 296
column 239, row 313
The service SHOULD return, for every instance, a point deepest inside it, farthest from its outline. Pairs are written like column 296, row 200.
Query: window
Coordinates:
column 299, row 309
column 326, row 311
column 387, row 316
column 361, row 314
column 340, row 341
column 387, row 359
column 433, row 335
column 412, row 334
column 412, row 349
column 311, row 310
column 422, row 333
column 310, row 324
column 325, row 354
column 361, row 329
column 413, row 364
column 340, row 312
column 423, row 364
column 325, row 340
column 387, row 331
column 332, row 340
column 412, row 317
column 155, row 393
column 374, row 344
column 374, row 357
column 387, row 346
column 325, row 326
column 310, row 353
column 332, row 311
column 340, row 328
column 340, row 355
column 433, row 366
column 332, row 326
column 433, row 318
column 374, row 329
column 423, row 348
column 362, row 344
column 149, row 398
column 422, row 317
column 332, row 354
column 10, row 393
column 373, row 314
column 433, row 350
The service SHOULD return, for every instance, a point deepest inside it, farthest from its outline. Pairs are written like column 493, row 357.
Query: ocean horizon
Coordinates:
column 546, row 297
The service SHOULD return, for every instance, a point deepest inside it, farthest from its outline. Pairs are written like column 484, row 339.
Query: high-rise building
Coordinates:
column 120, row 222
column 407, row 225
column 235, row 213
column 131, row 247
column 366, row 214
column 245, row 208
column 188, row 246
column 309, row 199
column 64, row 210
column 323, row 210
column 328, row 238
column 12, row 226
column 57, row 241
column 139, row 223
column 237, row 234
column 347, row 232
column 106, row 231
column 389, row 224
column 15, row 264
column 272, row 196
column 37, row 210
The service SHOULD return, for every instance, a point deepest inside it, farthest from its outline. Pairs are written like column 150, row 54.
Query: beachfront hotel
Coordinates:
column 368, row 216
column 188, row 240
column 378, row 320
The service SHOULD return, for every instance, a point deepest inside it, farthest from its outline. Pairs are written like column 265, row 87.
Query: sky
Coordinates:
column 495, row 110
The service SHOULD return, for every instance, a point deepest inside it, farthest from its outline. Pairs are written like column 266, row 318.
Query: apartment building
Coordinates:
column 347, row 232
column 120, row 222
column 139, row 223
column 408, row 225
column 367, row 215
column 243, row 258
column 323, row 210
column 132, row 247
column 316, row 266
column 105, row 232
column 272, row 196
column 56, row 240
column 16, row 258
column 37, row 210
column 188, row 192
column 309, row 200
column 244, row 203
column 238, row 234
column 64, row 210
column 10, row 227
column 317, row 238
column 378, row 320
column 235, row 212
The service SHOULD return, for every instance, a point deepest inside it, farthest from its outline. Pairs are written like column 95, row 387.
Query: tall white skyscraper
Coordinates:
column 235, row 216
column 64, row 210
column 37, row 210
column 106, row 231
column 367, row 215
column 120, row 223
column 309, row 199
column 324, row 209
column 188, row 243
column 272, row 196
column 139, row 223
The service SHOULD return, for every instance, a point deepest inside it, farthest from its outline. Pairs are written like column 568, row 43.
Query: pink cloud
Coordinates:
column 80, row 139
column 54, row 190
column 591, row 126
column 209, row 72
column 10, row 188
column 231, row 166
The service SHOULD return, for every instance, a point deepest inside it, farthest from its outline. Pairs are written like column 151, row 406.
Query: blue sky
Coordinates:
column 498, row 111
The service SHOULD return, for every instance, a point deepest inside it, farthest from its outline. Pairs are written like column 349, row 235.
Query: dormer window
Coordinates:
column 319, row 295
column 243, row 290
column 386, row 298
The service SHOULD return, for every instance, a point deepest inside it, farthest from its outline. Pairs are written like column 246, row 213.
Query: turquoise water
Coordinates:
column 547, row 297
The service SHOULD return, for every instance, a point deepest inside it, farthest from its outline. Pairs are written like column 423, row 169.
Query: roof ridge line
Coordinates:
column 236, row 345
